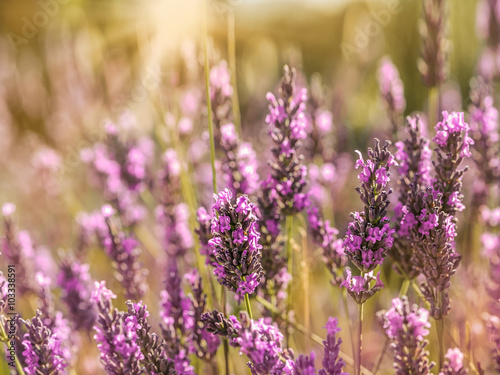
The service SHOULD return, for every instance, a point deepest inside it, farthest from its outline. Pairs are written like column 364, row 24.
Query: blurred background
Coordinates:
column 67, row 66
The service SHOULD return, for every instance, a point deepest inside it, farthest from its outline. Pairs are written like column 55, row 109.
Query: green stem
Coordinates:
column 231, row 51
column 209, row 100
column 4, row 338
column 348, row 317
column 249, row 308
column 404, row 288
column 289, row 257
column 440, row 335
column 360, row 338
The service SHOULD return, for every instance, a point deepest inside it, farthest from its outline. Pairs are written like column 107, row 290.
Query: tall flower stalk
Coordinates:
column 287, row 124
column 369, row 236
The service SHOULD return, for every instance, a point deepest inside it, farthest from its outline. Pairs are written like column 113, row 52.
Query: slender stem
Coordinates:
column 348, row 317
column 433, row 106
column 4, row 338
column 208, row 98
column 249, row 308
column 404, row 287
column 360, row 338
column 289, row 257
column 231, row 51
column 440, row 335
column 420, row 294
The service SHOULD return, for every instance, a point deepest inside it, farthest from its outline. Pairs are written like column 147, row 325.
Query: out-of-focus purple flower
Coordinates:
column 406, row 326
column 235, row 243
column 204, row 233
column 488, row 28
column 116, row 335
column 120, row 169
column 360, row 288
column 369, row 236
column 74, row 281
column 174, row 222
column 287, row 123
column 435, row 46
column 392, row 91
column 220, row 93
column 240, row 162
column 454, row 363
column 42, row 349
column 18, row 250
column 483, row 119
column 326, row 237
column 124, row 253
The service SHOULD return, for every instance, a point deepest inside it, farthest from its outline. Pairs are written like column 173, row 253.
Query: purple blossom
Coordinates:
column 124, row 253
column 74, row 281
column 332, row 362
column 454, row 363
column 173, row 223
column 18, row 249
column 287, row 123
column 369, row 235
column 262, row 343
column 392, row 91
column 326, row 237
column 236, row 249
column 42, row 349
column 119, row 168
column 360, row 288
column 406, row 326
column 116, row 335
column 453, row 140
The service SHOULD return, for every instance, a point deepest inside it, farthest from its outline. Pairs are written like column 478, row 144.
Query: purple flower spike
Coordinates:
column 74, row 281
column 392, row 91
column 235, row 243
column 287, row 123
column 239, row 164
column 406, row 326
column 116, row 335
column 332, row 362
column 454, row 363
column 360, row 288
column 326, row 237
column 414, row 159
column 369, row 236
column 42, row 349
column 124, row 253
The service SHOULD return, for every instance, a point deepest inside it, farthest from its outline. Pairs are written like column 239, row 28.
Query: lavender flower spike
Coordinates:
column 392, row 91
column 287, row 124
column 453, row 140
column 74, row 280
column 116, row 335
column 235, row 243
column 406, row 326
column 454, row 363
column 369, row 236
column 43, row 353
column 124, row 253
column 332, row 362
